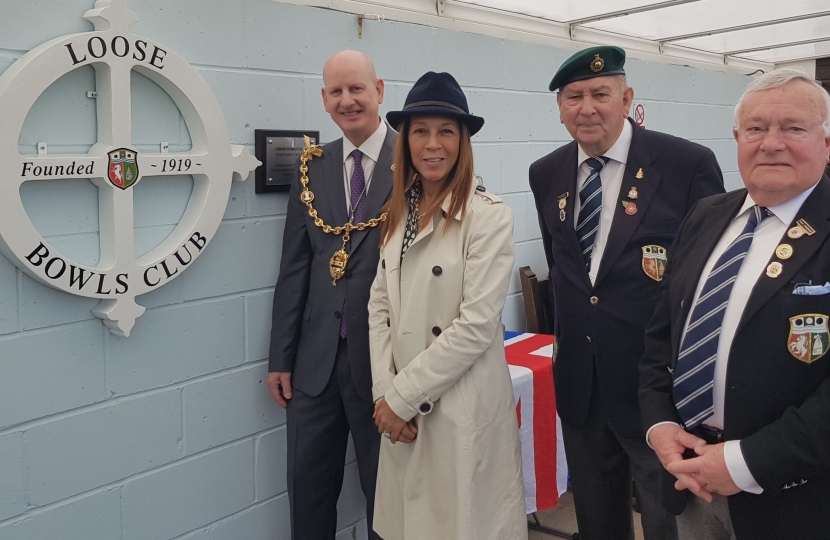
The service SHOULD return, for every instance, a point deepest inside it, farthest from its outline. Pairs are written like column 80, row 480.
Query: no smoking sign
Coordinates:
column 640, row 114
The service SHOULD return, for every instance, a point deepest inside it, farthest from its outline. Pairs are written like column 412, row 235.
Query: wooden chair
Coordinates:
column 538, row 305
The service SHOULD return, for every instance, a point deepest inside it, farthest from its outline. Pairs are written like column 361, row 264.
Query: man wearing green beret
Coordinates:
column 609, row 205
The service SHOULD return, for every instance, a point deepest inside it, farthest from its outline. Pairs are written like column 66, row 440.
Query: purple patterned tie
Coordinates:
column 358, row 200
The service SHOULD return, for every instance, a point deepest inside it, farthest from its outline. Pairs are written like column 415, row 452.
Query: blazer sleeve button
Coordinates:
column 436, row 270
column 436, row 331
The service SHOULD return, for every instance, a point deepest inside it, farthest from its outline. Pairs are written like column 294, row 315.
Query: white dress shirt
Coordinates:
column 611, row 178
column 766, row 238
column 371, row 148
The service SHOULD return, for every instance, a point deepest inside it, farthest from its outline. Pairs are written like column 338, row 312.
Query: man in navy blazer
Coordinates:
column 319, row 366
column 757, row 426
column 609, row 205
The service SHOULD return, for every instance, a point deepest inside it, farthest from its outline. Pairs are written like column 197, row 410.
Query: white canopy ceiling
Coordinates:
column 770, row 31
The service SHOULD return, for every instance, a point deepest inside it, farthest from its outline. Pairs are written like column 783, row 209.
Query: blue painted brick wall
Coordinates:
column 171, row 434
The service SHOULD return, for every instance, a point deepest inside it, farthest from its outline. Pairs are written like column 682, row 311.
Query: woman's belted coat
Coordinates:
column 437, row 345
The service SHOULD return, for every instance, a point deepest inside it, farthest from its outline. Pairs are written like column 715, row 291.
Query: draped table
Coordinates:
column 529, row 357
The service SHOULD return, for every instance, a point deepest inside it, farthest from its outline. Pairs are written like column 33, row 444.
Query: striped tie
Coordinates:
column 695, row 371
column 590, row 197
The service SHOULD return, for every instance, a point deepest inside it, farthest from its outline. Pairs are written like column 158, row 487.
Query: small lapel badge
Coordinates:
column 774, row 269
column 630, row 207
column 654, row 261
column 563, row 202
column 795, row 232
column 632, row 193
column 784, row 251
column 808, row 230
column 639, row 174
column 809, row 337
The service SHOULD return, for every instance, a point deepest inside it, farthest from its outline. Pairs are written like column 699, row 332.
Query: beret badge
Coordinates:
column 597, row 64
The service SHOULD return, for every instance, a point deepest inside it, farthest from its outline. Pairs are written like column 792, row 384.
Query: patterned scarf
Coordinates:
column 411, row 231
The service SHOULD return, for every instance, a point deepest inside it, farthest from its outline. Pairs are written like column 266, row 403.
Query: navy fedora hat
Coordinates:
column 436, row 94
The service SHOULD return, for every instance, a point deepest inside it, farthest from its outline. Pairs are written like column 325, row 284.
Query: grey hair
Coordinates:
column 778, row 78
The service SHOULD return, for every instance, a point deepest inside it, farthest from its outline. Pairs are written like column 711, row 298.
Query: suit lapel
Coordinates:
column 379, row 188
column 623, row 226
column 565, row 182
column 718, row 218
column 815, row 212
column 332, row 179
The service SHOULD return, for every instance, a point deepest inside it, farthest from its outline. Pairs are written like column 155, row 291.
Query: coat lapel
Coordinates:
column 565, row 182
column 392, row 259
column 379, row 188
column 332, row 178
column 815, row 212
column 623, row 226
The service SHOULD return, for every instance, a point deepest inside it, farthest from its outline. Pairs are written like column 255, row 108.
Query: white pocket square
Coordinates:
column 812, row 290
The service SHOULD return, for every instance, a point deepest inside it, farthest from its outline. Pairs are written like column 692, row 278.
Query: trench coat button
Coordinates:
column 387, row 322
column 383, row 263
column 425, row 408
column 594, row 300
column 480, row 188
column 444, row 214
column 337, row 314
column 436, row 331
column 436, row 270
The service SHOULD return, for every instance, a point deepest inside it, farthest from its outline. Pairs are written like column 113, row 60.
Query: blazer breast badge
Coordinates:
column 654, row 261
column 809, row 337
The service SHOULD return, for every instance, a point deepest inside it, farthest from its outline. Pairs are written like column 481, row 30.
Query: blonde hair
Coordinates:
column 458, row 183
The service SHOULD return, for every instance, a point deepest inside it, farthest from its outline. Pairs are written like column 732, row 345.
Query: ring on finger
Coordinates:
column 387, row 435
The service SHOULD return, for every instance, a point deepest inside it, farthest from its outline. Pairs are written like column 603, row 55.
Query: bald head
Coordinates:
column 349, row 59
column 352, row 94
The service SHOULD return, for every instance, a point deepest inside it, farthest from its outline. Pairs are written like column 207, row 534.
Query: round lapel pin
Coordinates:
column 784, row 251
column 795, row 232
column 774, row 269
column 630, row 208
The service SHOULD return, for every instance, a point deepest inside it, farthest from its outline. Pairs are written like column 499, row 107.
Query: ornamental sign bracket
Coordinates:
column 114, row 164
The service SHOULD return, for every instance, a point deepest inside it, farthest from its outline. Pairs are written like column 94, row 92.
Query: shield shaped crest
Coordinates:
column 808, row 340
column 123, row 167
column 654, row 261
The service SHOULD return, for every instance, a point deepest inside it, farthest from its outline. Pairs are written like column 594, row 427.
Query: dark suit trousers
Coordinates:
column 601, row 465
column 318, row 430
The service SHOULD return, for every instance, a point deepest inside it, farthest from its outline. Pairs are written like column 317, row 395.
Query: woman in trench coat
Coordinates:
column 450, row 462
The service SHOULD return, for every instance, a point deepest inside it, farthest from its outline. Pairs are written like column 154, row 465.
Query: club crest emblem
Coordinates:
column 654, row 262
column 123, row 167
column 809, row 337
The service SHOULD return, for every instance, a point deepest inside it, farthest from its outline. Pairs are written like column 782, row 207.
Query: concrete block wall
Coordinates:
column 171, row 433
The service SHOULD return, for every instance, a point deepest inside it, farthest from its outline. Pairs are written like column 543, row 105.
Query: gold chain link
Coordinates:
column 307, row 196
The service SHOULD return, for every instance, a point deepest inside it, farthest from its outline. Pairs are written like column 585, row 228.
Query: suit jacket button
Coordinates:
column 594, row 300
column 436, row 270
column 387, row 322
column 337, row 314
column 348, row 275
column 424, row 407
column 436, row 331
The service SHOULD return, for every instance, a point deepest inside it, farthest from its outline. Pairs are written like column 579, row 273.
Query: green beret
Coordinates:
column 587, row 64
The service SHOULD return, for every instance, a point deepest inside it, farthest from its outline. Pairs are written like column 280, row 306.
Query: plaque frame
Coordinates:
column 261, row 137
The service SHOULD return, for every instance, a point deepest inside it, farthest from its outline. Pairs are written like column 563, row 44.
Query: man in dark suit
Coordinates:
column 736, row 350
column 609, row 205
column 319, row 361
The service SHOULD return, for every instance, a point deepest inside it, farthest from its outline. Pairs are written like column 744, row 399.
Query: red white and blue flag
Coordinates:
column 540, row 431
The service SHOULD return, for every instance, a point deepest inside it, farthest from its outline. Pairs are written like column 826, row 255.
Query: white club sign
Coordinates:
column 114, row 165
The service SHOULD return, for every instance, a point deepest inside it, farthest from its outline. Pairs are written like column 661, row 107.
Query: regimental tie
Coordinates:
column 695, row 371
column 358, row 203
column 590, row 198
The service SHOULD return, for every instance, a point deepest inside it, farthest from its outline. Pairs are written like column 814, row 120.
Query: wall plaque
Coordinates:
column 279, row 151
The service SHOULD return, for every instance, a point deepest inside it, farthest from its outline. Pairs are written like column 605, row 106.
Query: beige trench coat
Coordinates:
column 437, row 345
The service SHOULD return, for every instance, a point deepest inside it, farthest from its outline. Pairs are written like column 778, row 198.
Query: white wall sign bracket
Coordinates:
column 114, row 165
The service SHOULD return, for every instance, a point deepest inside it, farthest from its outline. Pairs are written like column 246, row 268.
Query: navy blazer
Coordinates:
column 307, row 308
column 601, row 326
column 777, row 405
